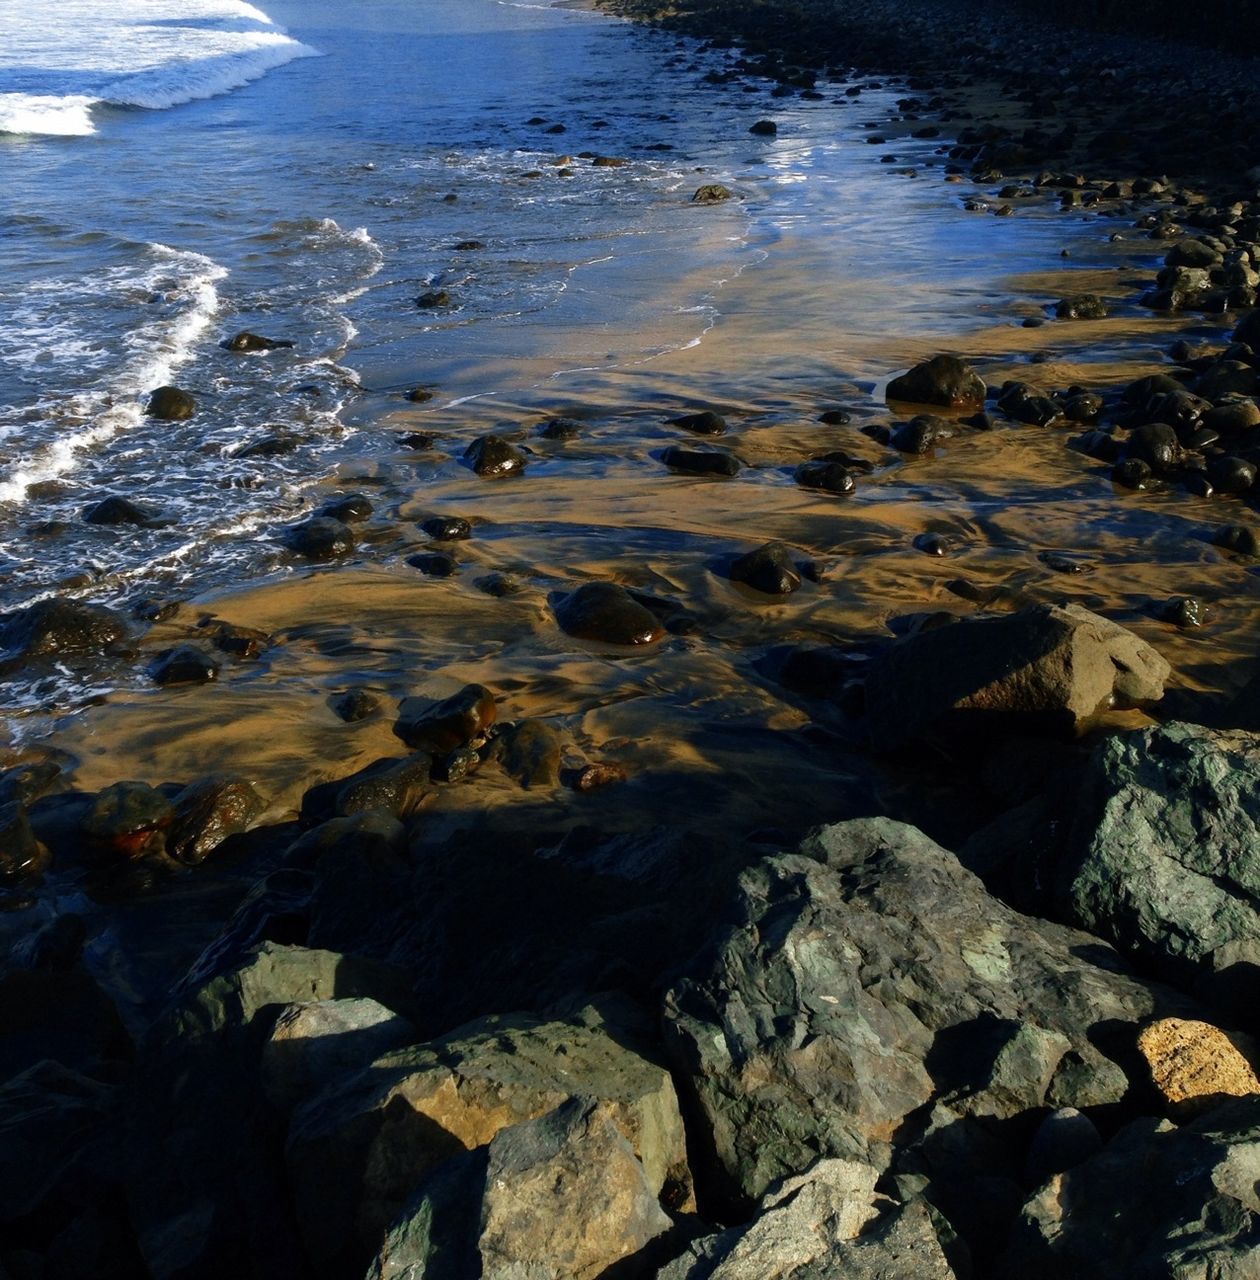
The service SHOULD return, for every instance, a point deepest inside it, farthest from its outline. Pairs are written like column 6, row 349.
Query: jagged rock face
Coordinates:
column 1156, row 1201
column 1165, row 852
column 874, row 992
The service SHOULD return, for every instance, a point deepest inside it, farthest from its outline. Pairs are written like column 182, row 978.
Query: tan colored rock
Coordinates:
column 1195, row 1065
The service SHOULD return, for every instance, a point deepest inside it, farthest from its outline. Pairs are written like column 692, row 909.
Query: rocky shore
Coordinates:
column 994, row 1017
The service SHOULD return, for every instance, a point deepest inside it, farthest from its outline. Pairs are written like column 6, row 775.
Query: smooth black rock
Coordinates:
column 1026, row 404
column 607, row 612
column 932, row 544
column 434, row 298
column 1156, row 444
column 207, row 812
column 1098, row 444
column 1231, row 475
column 1133, row 473
column 116, row 510
column 498, row 585
column 769, row 569
column 320, row 538
column 54, row 627
column 831, row 477
column 436, row 564
column 449, row 724
column 764, row 129
column 417, row 440
column 943, row 380
column 560, row 429
column 704, row 423
column 703, row 462
column 1192, row 253
column 246, row 341
column 494, row 456
column 1239, row 538
column 447, row 528
column 184, row 664
column 170, row 404
column 921, row 434
column 351, row 509
column 420, row 395
column 835, row 417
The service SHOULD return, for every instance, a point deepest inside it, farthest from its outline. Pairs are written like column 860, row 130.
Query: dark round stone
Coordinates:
column 1238, row 537
column 434, row 298
column 170, row 404
column 350, row 509
column 246, row 341
column 1231, row 475
column 320, row 538
column 769, row 569
column 184, row 664
column 493, row 456
column 1132, row 473
column 704, row 462
column 607, row 612
column 354, row 705
column 447, row 528
column 835, row 417
column 932, row 544
column 116, row 510
column 764, row 129
column 831, row 477
column 704, row 423
column 560, row 429
column 434, row 563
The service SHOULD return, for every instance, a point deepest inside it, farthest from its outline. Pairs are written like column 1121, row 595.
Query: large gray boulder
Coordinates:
column 1049, row 668
column 1156, row 1201
column 1164, row 856
column 873, row 993
column 559, row 1197
column 825, row 1223
column 358, row 1153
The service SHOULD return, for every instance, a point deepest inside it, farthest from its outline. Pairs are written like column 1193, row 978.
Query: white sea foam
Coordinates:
column 155, row 350
column 58, row 62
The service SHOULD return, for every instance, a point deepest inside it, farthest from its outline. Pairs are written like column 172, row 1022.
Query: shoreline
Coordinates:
column 473, row 890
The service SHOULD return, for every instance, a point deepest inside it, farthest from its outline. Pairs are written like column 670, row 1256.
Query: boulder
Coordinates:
column 1156, row 1201
column 53, row 628
column 607, row 612
column 446, row 725
column 943, row 380
column 871, row 979
column 1164, row 857
column 1195, row 1065
column 827, row 1222
column 359, row 1152
column 1045, row 669
column 170, row 404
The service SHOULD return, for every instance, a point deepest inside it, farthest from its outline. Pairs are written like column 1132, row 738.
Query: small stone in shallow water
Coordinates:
column 835, row 417
column 116, row 510
column 764, row 129
column 711, row 193
column 447, row 528
column 1082, row 306
column 434, row 298
column 932, row 544
column 1183, row 611
column 560, row 429
column 593, row 776
column 184, row 664
column 416, row 440
column 705, row 462
column 468, row 246
column 170, row 404
column 246, row 341
column 494, row 456
column 1231, row 475
column 704, row 423
column 498, row 585
column 607, row 612
column 769, row 569
column 320, row 538
column 831, row 477
column 529, row 753
column 943, row 380
column 448, row 725
column 921, row 434
column 1133, row 473
column 437, row 564
column 1060, row 563
column 354, row 705
column 1238, row 537
column 420, row 395
column 349, row 509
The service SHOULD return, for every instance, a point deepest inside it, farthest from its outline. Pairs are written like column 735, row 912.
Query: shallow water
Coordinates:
column 314, row 205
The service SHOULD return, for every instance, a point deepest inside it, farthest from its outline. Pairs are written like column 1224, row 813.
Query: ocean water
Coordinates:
column 178, row 170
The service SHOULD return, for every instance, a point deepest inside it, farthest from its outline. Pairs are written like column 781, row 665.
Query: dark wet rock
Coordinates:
column 1098, row 444
column 170, row 404
column 1237, row 537
column 1081, row 306
column 320, row 538
column 359, row 1153
column 184, row 664
column 828, row 1221
column 609, row 162
column 560, row 429
column 601, row 774
column 22, row 856
column 944, row 380
column 390, row 785
column 764, row 129
column 1228, row 378
column 1061, row 563
column 704, row 423
column 419, row 395
column 1178, row 409
column 932, row 544
column 529, row 752
column 278, row 444
column 498, row 585
column 712, row 193
column 207, row 813
column 922, row 434
column 354, row 705
column 447, row 528
column 1174, row 883
column 455, row 765
column 831, row 477
column 23, row 784
column 434, row 298
column 468, row 246
column 1026, row 404
column 1047, row 669
column 607, row 612
column 869, row 978
column 770, row 569
column 1082, row 406
column 1248, row 330
column 1192, row 253
column 1231, row 475
column 56, row 627
column 246, row 341
column 436, row 564
column 701, row 462
column 1139, row 393
column 1233, row 417
column 1167, row 1201
column 494, row 456
column 835, row 417
column 1183, row 611
column 1134, row 473
column 117, row 510
column 418, row 440
column 1064, row 1139
column 238, row 642
column 351, row 509
column 128, row 820
column 442, row 726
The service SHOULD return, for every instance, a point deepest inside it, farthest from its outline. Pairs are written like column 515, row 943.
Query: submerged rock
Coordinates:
column 170, row 404
column 704, row 423
column 711, row 193
column 57, row 627
column 184, row 664
column 922, row 434
column 1081, row 306
column 829, row 476
column 1049, row 668
column 117, row 510
column 246, row 341
column 607, row 612
column 350, row 509
column 944, row 380
column 701, row 462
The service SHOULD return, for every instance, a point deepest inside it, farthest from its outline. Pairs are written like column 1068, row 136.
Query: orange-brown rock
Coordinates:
column 1195, row 1065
